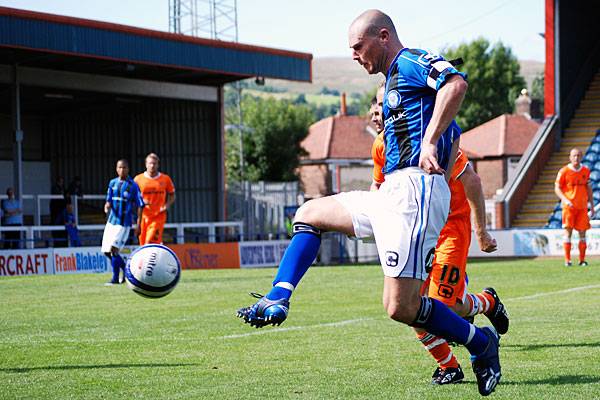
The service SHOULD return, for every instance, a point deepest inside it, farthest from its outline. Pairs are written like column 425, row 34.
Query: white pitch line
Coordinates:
column 543, row 294
column 353, row 321
column 297, row 328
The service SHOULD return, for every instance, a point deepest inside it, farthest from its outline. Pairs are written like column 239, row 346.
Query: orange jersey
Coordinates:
column 378, row 155
column 154, row 192
column 459, row 207
column 574, row 185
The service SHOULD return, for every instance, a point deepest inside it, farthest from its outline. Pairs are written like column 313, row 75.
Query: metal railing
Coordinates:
column 529, row 167
column 38, row 198
column 261, row 206
column 32, row 232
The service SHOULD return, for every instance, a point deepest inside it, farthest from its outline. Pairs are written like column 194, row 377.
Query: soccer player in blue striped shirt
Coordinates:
column 122, row 198
column 423, row 94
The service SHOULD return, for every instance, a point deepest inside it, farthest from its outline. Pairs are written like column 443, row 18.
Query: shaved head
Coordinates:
column 371, row 22
column 374, row 41
column 575, row 156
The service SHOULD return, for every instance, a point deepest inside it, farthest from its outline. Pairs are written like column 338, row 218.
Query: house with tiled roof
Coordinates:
column 338, row 155
column 496, row 146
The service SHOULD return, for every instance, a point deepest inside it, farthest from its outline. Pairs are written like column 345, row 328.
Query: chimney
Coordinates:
column 343, row 103
column 523, row 104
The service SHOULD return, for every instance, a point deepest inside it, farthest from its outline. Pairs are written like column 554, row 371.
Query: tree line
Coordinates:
column 273, row 128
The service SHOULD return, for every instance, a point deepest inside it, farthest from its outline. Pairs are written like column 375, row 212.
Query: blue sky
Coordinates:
column 320, row 27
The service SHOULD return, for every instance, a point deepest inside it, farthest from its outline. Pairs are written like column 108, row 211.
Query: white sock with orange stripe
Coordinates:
column 439, row 350
column 480, row 303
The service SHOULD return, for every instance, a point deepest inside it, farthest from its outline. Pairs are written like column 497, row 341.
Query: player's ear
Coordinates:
column 384, row 35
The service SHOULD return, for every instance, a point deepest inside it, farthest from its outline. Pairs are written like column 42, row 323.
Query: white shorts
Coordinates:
column 405, row 215
column 114, row 236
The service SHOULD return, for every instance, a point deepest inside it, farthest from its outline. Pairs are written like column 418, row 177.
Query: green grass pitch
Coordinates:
column 70, row 337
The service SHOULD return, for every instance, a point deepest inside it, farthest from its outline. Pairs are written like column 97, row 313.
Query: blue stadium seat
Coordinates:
column 596, row 166
column 596, row 139
column 590, row 157
column 557, row 215
column 596, row 197
column 595, row 175
column 554, row 223
column 595, row 147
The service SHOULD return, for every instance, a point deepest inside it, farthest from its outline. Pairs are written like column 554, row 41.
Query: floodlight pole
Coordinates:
column 18, row 144
column 241, row 129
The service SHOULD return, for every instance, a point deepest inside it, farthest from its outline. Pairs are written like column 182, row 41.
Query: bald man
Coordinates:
column 422, row 96
column 573, row 188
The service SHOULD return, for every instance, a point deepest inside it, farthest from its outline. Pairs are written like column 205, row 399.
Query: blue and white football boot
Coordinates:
column 486, row 366
column 265, row 312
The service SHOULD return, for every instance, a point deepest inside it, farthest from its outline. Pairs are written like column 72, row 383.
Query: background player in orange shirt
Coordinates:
column 158, row 193
column 447, row 280
column 573, row 188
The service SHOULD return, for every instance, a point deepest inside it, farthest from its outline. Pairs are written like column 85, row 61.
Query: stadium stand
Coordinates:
column 541, row 207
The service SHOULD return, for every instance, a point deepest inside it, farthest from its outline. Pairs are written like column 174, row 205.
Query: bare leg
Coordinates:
column 327, row 214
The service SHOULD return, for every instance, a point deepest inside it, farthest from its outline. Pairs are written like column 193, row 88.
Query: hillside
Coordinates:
column 344, row 75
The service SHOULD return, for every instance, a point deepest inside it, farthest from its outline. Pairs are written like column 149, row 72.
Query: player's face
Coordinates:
column 575, row 157
column 151, row 166
column 366, row 50
column 122, row 169
column 376, row 118
column 379, row 97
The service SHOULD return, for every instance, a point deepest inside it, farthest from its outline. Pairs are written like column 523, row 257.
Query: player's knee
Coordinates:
column 307, row 213
column 401, row 312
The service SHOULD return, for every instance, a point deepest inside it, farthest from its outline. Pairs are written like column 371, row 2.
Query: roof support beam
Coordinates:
column 108, row 84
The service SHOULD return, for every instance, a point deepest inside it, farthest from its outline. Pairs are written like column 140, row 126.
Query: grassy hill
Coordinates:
column 344, row 75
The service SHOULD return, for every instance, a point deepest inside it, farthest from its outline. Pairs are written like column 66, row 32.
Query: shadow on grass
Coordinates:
column 531, row 347
column 556, row 380
column 105, row 366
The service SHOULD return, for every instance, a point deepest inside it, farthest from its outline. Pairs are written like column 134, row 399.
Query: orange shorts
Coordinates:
column 447, row 281
column 575, row 218
column 151, row 229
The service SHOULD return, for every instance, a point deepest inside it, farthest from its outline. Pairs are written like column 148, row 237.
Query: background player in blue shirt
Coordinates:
column 123, row 198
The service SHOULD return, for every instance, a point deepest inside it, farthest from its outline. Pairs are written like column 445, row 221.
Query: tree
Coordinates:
column 494, row 81
column 272, row 132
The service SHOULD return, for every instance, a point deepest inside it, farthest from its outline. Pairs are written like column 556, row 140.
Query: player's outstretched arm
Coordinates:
column 447, row 103
column 591, row 199
column 169, row 202
column 474, row 192
column 138, row 223
column 562, row 196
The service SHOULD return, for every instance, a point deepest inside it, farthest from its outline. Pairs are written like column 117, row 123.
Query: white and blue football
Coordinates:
column 153, row 270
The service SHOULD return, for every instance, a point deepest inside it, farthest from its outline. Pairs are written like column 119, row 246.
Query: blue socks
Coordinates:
column 117, row 263
column 436, row 318
column 298, row 257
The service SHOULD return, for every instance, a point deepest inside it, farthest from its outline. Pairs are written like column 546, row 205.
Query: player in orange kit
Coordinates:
column 573, row 188
column 447, row 280
column 158, row 193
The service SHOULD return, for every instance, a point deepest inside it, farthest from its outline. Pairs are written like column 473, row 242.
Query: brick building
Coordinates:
column 339, row 155
column 495, row 147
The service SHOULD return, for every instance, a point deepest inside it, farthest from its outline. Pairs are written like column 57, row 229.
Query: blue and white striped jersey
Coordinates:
column 124, row 197
column 413, row 80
